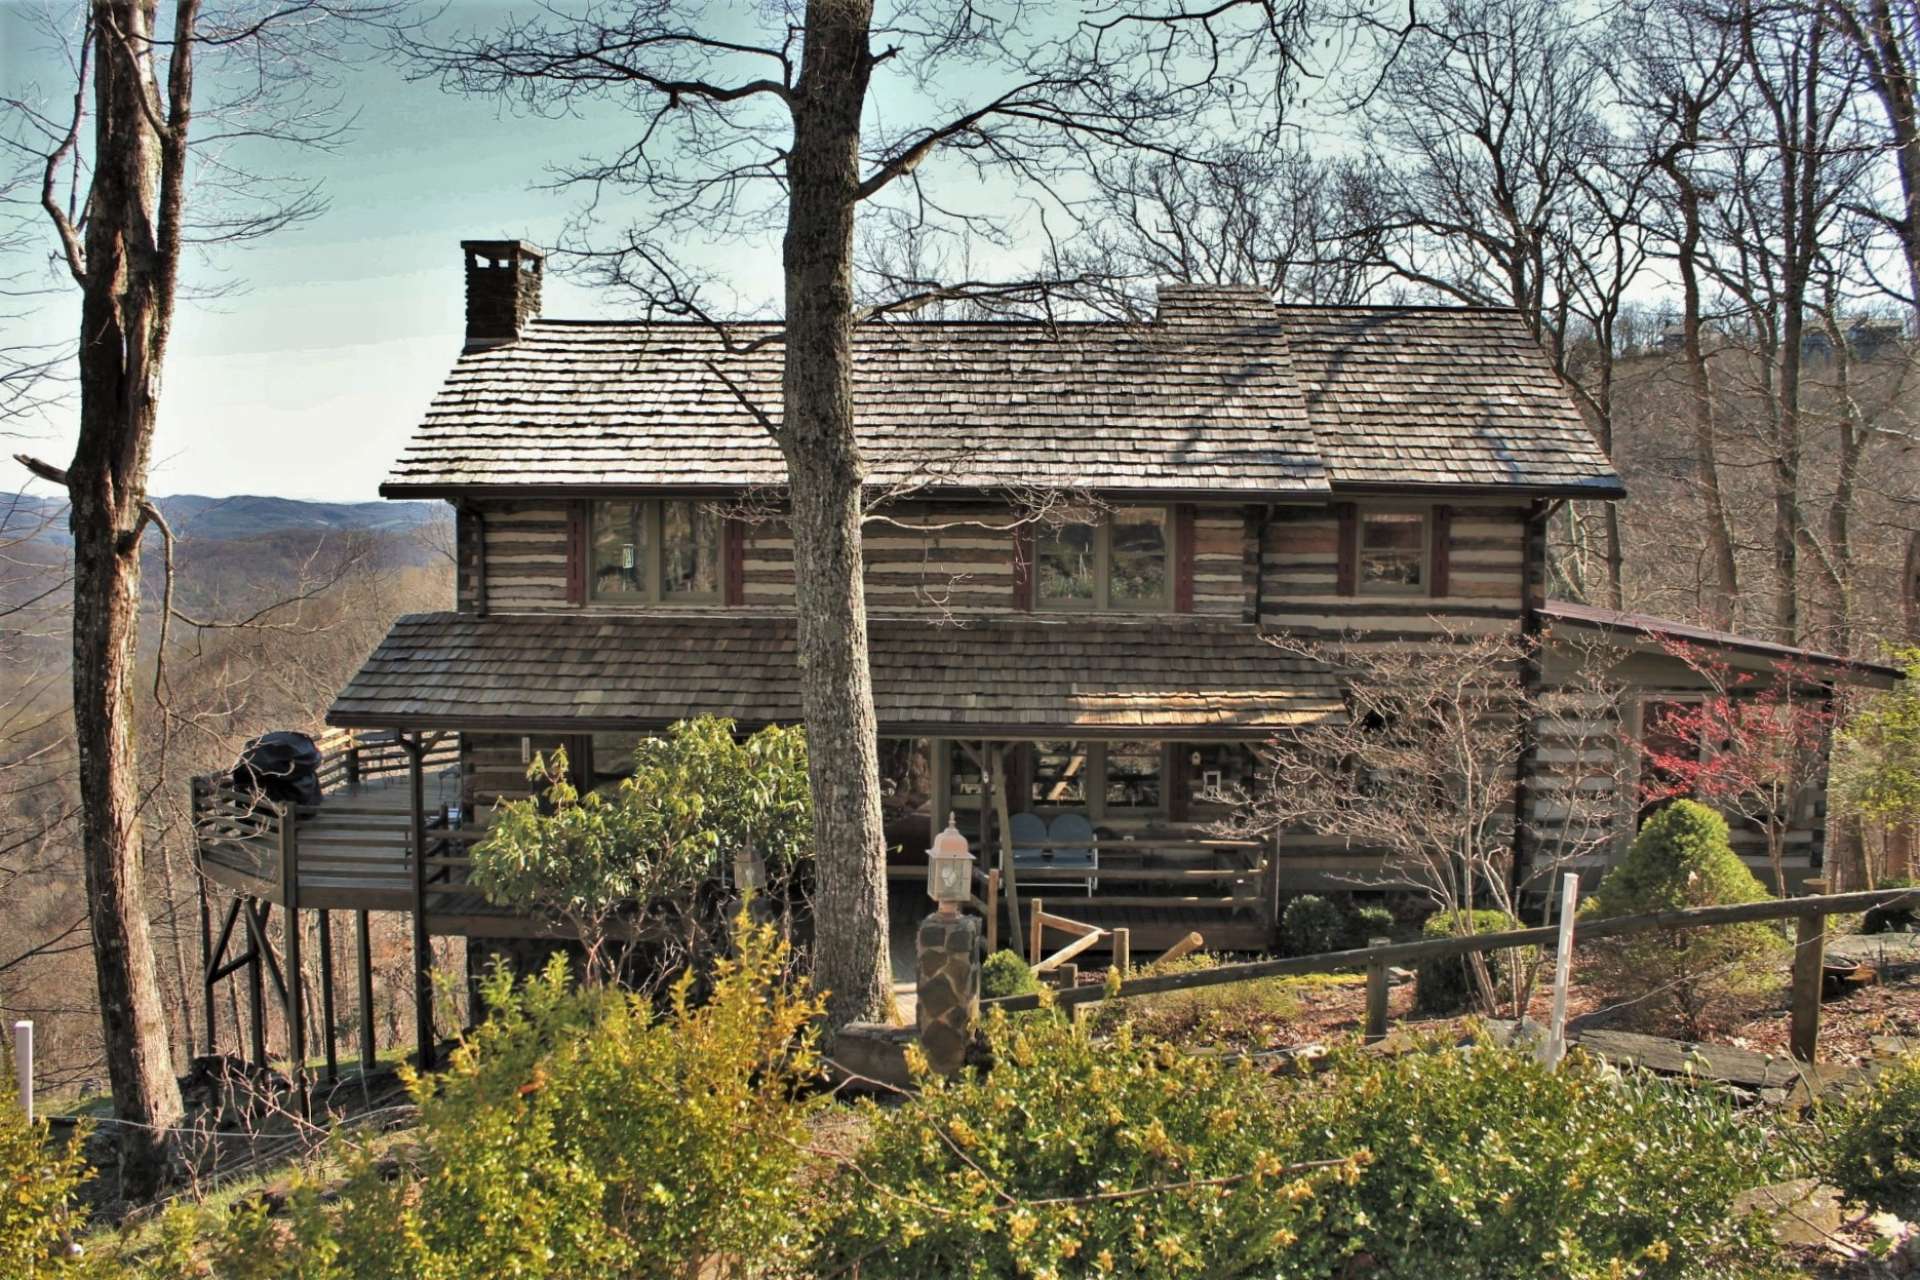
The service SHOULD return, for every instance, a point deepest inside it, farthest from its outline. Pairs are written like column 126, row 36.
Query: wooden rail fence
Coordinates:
column 1810, row 912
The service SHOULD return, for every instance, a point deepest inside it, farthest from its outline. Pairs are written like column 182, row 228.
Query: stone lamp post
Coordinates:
column 947, row 956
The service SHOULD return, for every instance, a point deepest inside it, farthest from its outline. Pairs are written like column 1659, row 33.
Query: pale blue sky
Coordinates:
column 306, row 382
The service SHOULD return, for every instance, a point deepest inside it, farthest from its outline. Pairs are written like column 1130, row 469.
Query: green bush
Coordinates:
column 1485, row 1164
column 1006, row 973
column 39, row 1181
column 1689, row 980
column 1446, row 985
column 1365, row 923
column 1871, row 1149
column 1077, row 1157
column 579, row 1133
column 1896, row 916
column 1311, row 925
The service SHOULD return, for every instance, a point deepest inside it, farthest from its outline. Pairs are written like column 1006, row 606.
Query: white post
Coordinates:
column 23, row 1064
column 1556, row 1045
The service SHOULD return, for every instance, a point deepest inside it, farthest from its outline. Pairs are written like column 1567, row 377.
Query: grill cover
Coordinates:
column 282, row 765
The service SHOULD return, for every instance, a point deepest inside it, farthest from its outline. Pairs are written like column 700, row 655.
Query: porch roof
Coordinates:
column 1647, row 627
column 1003, row 676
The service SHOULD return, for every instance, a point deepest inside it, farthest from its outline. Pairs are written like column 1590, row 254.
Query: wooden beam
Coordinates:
column 294, row 993
column 1376, row 996
column 1809, row 963
column 256, row 986
column 326, row 996
column 422, row 943
column 363, row 948
column 1181, row 949
column 996, row 778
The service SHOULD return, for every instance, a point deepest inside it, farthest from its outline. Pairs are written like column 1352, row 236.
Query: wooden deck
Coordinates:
column 352, row 852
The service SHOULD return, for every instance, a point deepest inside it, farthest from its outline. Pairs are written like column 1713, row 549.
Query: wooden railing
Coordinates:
column 1804, row 1011
column 239, row 830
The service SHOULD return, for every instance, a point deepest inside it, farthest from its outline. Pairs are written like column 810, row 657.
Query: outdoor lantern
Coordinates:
column 949, row 869
column 749, row 873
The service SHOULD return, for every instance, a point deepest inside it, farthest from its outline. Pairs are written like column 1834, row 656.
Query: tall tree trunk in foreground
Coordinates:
column 126, row 274
column 826, row 474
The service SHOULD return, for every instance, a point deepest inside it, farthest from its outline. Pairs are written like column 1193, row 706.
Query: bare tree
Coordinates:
column 1422, row 770
column 742, row 129
column 1274, row 216
column 1676, row 70
column 116, row 197
column 1885, row 36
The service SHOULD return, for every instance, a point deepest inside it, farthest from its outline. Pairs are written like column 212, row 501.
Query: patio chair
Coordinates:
column 1029, row 831
column 1073, row 848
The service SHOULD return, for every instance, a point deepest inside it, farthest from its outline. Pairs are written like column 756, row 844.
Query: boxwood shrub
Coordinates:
column 1445, row 985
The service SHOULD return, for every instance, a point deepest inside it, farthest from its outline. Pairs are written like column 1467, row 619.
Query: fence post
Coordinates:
column 993, row 910
column 23, row 1064
column 1809, row 964
column 1037, row 940
column 1556, row 1046
column 1376, row 995
column 1123, row 950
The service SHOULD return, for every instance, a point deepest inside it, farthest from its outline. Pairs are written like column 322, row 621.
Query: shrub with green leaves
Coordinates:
column 1871, row 1141
column 1689, row 980
column 39, row 1182
column 695, row 798
column 1367, row 922
column 580, row 1133
column 1446, row 984
column 1076, row 1157
column 1310, row 925
column 1006, row 973
column 1485, row 1164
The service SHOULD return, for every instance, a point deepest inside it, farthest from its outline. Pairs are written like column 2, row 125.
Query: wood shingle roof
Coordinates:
column 577, row 672
column 1225, row 393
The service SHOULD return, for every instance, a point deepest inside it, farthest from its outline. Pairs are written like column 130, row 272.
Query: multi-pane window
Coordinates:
column 1122, row 560
column 1220, row 775
column 1393, row 552
column 654, row 552
column 1132, row 776
column 1059, row 774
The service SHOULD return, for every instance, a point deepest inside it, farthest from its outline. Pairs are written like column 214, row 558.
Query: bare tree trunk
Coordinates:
column 125, row 314
column 1706, row 454
column 826, row 474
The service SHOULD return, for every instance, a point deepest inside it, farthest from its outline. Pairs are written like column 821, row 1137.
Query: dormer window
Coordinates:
column 1121, row 559
column 654, row 552
column 1393, row 552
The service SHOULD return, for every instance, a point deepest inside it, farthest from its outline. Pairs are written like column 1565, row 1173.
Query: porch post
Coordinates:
column 996, row 781
column 422, row 944
column 206, row 952
column 326, row 995
column 363, row 949
column 256, row 982
column 295, row 993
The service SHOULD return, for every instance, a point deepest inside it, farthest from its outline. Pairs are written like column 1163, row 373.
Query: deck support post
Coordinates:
column 256, row 983
column 363, row 951
column 422, row 944
column 295, row 990
column 206, row 955
column 326, row 995
column 1809, row 964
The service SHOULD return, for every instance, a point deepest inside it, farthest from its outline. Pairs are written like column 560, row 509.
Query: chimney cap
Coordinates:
column 503, row 250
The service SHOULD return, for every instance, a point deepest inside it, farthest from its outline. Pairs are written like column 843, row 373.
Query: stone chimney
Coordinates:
column 503, row 290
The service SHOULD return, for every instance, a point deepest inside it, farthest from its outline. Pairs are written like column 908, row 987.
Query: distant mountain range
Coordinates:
column 193, row 516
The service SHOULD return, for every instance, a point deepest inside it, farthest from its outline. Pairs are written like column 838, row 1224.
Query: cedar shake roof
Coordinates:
column 1225, row 393
column 641, row 671
column 1648, row 627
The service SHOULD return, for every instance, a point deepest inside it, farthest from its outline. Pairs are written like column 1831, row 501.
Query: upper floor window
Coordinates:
column 650, row 552
column 1393, row 552
column 1122, row 560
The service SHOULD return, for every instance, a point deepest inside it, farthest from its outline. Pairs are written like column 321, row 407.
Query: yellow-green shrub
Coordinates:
column 1485, row 1164
column 1073, row 1157
column 38, row 1183
column 1871, row 1149
column 580, row 1134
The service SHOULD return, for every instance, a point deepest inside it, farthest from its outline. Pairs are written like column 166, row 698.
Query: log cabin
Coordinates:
column 1083, row 535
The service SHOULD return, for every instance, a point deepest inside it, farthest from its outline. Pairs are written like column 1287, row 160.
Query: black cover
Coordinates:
column 283, row 765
